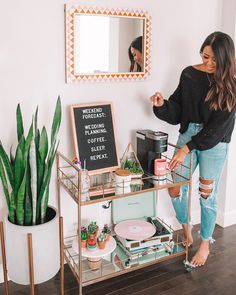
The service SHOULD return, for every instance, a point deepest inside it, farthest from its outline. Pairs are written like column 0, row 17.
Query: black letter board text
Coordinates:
column 94, row 137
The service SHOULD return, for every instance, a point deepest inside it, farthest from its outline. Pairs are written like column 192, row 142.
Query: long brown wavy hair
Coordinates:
column 137, row 43
column 222, row 94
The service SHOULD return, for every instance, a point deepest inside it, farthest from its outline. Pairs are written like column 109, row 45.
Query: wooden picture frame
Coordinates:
column 94, row 136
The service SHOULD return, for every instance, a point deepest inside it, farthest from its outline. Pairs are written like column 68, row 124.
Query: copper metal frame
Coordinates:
column 4, row 260
column 75, row 194
column 31, row 261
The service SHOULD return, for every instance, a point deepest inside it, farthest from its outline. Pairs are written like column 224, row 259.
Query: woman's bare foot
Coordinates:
column 201, row 255
column 188, row 238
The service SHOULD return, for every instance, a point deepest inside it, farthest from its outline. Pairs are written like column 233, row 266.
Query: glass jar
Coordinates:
column 85, row 185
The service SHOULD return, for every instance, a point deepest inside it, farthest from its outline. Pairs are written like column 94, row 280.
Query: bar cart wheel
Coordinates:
column 188, row 266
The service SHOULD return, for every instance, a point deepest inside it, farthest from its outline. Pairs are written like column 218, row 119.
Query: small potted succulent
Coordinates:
column 107, row 231
column 84, row 236
column 92, row 230
column 91, row 244
column 101, row 239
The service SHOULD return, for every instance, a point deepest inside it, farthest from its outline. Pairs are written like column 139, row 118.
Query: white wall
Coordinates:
column 32, row 70
column 227, row 201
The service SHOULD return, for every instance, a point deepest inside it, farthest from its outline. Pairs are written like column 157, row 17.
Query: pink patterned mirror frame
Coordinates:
column 73, row 23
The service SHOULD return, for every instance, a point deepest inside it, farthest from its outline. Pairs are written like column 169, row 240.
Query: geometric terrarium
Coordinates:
column 130, row 162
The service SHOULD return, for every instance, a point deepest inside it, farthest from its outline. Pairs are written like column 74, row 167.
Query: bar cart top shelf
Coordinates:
column 106, row 189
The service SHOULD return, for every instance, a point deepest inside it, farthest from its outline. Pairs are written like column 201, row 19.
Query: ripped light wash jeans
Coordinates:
column 211, row 163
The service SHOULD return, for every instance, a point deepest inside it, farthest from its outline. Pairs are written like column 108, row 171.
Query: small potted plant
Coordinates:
column 101, row 240
column 107, row 231
column 92, row 230
column 84, row 236
column 91, row 244
column 130, row 162
column 134, row 167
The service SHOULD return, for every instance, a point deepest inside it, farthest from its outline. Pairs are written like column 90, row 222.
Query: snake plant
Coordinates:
column 26, row 174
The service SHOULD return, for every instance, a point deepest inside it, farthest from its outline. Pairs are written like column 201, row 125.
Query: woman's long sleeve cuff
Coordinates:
column 191, row 145
column 160, row 109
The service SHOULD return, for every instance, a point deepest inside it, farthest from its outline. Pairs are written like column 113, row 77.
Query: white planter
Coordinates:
column 46, row 250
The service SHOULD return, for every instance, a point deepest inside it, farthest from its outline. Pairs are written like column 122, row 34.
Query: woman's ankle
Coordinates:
column 205, row 244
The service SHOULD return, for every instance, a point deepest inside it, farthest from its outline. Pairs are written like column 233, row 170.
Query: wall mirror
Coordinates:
column 98, row 40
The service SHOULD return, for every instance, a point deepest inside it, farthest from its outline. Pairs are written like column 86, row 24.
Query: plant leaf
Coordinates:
column 28, row 210
column 12, row 208
column 56, row 120
column 44, row 204
column 7, row 165
column 12, row 157
column 33, row 173
column 20, row 128
column 36, row 121
column 28, row 141
column 43, row 144
column 37, row 138
column 20, row 201
column 40, row 172
column 4, row 184
column 28, row 198
column 19, row 166
column 42, row 154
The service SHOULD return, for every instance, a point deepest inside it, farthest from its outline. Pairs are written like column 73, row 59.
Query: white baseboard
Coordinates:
column 226, row 219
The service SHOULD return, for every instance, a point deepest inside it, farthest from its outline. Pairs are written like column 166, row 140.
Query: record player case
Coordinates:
column 141, row 208
column 143, row 189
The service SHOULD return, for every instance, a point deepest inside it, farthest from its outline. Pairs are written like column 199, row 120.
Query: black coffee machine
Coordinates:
column 150, row 145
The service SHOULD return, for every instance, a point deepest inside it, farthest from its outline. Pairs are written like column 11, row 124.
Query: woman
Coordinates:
column 204, row 106
column 135, row 55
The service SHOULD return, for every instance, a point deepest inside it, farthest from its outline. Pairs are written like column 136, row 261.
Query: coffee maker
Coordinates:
column 150, row 146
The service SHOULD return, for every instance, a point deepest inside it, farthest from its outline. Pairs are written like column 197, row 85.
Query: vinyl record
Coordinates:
column 137, row 230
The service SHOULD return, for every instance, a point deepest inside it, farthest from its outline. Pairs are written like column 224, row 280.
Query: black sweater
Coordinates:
column 187, row 105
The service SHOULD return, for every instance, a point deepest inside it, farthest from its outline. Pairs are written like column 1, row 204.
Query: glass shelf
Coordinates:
column 104, row 188
column 119, row 262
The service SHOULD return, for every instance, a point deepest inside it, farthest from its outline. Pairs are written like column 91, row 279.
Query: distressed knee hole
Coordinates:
column 205, row 187
column 174, row 192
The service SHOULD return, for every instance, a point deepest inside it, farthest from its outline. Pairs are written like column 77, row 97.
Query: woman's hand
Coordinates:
column 178, row 157
column 157, row 99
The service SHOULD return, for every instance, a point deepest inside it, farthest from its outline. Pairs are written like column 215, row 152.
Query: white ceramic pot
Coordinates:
column 122, row 178
column 46, row 250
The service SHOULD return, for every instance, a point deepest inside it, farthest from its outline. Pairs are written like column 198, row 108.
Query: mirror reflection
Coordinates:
column 108, row 44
